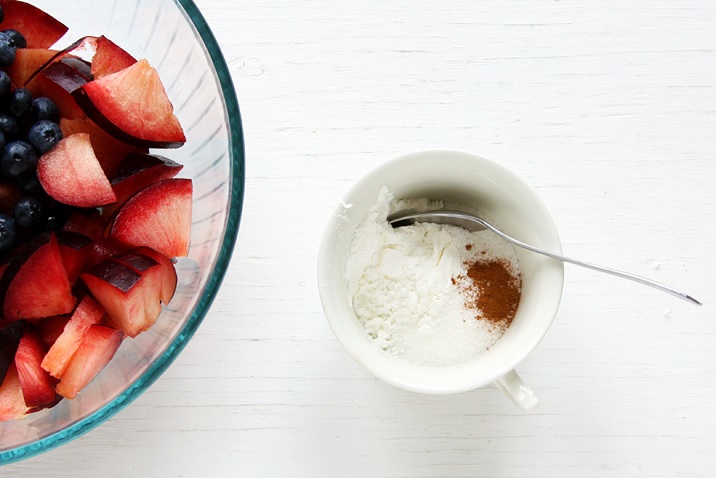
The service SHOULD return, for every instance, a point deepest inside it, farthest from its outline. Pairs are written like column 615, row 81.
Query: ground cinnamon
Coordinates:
column 493, row 289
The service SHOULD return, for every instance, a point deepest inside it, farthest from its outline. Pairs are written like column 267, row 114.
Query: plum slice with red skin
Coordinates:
column 87, row 222
column 82, row 49
column 158, row 216
column 87, row 313
column 109, row 58
column 141, row 259
column 27, row 63
column 74, row 248
column 104, row 55
column 12, row 402
column 35, row 284
column 71, row 174
column 40, row 29
column 10, row 336
column 57, row 82
column 38, row 387
column 132, row 106
column 50, row 328
column 102, row 249
column 169, row 273
column 110, row 151
column 98, row 346
column 136, row 172
column 131, row 298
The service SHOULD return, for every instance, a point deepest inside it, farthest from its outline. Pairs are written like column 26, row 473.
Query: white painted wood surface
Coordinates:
column 607, row 108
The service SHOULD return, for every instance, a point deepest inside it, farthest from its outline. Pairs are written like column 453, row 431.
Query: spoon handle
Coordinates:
column 589, row 265
column 468, row 220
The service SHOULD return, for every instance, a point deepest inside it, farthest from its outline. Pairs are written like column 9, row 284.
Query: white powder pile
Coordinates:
column 400, row 284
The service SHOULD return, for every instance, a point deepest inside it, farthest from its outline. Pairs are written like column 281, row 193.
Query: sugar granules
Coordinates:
column 413, row 291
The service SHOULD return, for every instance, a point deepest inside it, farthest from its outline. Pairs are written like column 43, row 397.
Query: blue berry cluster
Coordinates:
column 29, row 127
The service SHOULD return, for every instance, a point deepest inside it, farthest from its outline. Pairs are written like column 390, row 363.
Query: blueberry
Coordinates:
column 7, row 50
column 8, row 125
column 43, row 135
column 16, row 37
column 8, row 232
column 3, row 142
column 55, row 221
column 44, row 108
column 20, row 101
column 19, row 160
column 29, row 212
column 31, row 185
column 57, row 214
column 5, row 84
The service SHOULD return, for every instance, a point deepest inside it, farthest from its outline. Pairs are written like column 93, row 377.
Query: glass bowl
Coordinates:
column 176, row 40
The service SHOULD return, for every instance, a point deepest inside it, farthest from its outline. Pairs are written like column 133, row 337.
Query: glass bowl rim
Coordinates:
column 157, row 368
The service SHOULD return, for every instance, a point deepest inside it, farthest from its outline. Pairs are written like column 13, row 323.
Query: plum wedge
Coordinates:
column 136, row 172
column 130, row 296
column 87, row 313
column 71, row 174
column 10, row 336
column 35, row 284
column 109, row 58
column 132, row 106
column 40, row 29
column 38, row 387
column 27, row 62
column 12, row 402
column 158, row 216
column 110, row 151
column 98, row 346
column 58, row 81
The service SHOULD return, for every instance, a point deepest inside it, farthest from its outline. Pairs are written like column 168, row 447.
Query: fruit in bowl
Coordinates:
column 110, row 249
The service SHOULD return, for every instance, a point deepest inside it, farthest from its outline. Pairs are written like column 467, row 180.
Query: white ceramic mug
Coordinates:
column 464, row 178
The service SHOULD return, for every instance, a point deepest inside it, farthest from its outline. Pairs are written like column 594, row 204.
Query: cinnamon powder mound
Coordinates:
column 493, row 289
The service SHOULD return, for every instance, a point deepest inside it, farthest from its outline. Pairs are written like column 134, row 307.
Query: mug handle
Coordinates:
column 523, row 396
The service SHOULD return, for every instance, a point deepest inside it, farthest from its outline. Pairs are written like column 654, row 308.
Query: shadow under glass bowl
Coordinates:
column 176, row 40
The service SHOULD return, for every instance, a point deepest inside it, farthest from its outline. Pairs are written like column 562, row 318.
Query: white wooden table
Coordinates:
column 607, row 108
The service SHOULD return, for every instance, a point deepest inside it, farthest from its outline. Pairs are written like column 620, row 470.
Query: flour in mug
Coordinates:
column 400, row 283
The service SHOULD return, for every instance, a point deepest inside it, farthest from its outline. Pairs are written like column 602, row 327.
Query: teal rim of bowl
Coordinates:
column 236, row 151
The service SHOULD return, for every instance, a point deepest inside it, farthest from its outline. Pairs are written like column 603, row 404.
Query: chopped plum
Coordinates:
column 136, row 172
column 169, row 273
column 98, row 346
column 10, row 336
column 57, row 82
column 87, row 313
column 109, row 58
column 109, row 150
column 158, row 216
column 40, row 29
column 131, row 298
column 27, row 62
column 50, row 328
column 35, row 284
column 132, row 106
column 38, row 387
column 71, row 174
column 12, row 402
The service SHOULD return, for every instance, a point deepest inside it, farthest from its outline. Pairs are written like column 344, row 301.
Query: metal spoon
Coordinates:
column 474, row 223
